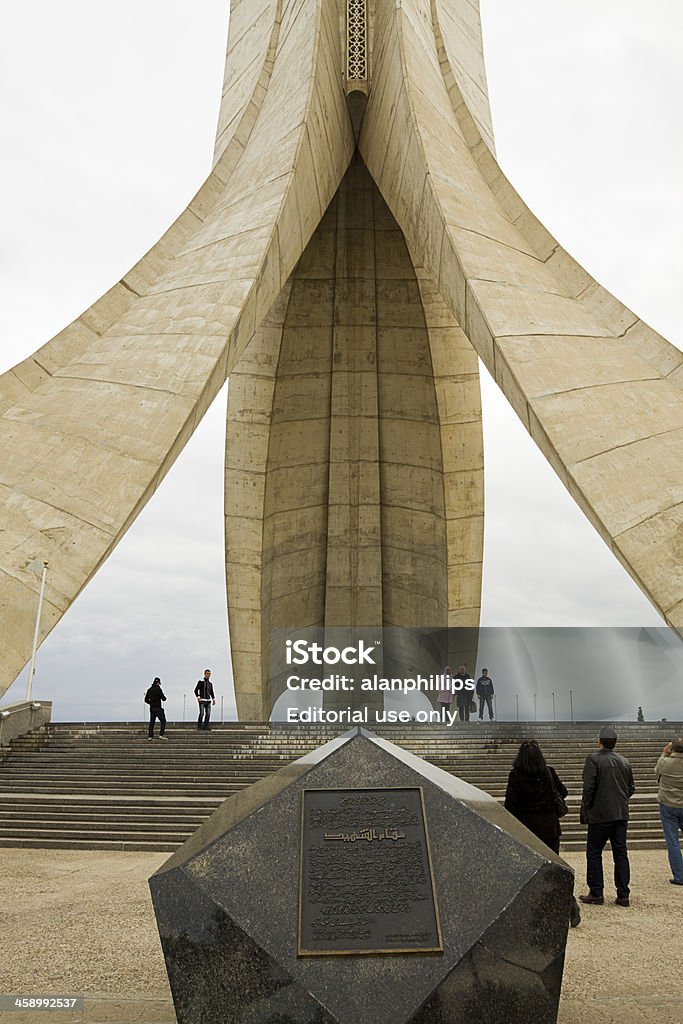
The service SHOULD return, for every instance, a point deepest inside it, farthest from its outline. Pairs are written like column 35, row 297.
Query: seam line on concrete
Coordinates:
column 660, row 512
column 43, row 368
column 594, row 387
column 72, row 515
column 626, row 444
column 123, row 384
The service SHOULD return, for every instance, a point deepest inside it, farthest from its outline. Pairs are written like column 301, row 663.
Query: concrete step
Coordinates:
column 113, row 791
column 10, row 776
column 500, row 765
column 172, row 833
column 61, row 843
column 172, row 783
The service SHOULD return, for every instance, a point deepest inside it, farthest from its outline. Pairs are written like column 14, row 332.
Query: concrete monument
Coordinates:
column 354, row 249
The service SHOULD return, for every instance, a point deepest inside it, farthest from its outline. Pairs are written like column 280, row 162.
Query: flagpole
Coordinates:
column 32, row 668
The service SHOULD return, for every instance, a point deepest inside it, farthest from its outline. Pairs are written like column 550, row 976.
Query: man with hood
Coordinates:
column 154, row 697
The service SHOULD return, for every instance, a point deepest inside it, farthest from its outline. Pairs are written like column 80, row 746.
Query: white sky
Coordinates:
column 107, row 117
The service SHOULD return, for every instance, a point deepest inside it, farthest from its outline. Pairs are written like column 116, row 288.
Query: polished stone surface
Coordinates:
column 226, row 906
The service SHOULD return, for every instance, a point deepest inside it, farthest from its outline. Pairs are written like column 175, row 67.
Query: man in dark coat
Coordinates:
column 154, row 697
column 607, row 788
column 485, row 694
column 203, row 691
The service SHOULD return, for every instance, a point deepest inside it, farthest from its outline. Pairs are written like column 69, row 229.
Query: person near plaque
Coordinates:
column 607, row 788
column 206, row 698
column 532, row 797
column 485, row 693
column 669, row 772
column 463, row 696
column 154, row 697
column 444, row 696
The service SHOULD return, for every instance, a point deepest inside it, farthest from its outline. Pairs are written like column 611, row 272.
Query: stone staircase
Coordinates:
column 103, row 786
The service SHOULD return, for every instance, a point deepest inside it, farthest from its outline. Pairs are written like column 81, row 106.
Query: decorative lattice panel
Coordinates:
column 356, row 40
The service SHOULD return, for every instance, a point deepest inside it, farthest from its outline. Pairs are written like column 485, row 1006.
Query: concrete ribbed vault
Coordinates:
column 94, row 419
column 354, row 455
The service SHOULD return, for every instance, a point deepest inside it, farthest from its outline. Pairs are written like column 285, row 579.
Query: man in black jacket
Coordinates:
column 485, row 694
column 607, row 788
column 154, row 697
column 463, row 686
column 203, row 691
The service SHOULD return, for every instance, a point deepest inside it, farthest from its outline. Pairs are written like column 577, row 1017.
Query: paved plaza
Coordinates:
column 81, row 923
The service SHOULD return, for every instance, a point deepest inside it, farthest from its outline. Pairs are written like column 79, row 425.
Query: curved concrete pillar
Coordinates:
column 94, row 421
column 597, row 390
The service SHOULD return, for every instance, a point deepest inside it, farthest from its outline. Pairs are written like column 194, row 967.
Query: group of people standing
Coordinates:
column 155, row 697
column 462, row 689
column 535, row 795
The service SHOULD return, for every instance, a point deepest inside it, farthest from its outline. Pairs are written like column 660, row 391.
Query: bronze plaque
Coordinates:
column 366, row 883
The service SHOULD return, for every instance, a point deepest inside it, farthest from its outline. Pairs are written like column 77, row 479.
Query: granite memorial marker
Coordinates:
column 362, row 885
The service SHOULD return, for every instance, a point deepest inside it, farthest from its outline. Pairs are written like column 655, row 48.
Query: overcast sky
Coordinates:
column 107, row 117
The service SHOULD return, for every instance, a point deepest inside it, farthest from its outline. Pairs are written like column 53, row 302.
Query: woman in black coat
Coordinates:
column 530, row 797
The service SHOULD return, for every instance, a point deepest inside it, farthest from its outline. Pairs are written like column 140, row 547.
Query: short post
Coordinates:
column 32, row 668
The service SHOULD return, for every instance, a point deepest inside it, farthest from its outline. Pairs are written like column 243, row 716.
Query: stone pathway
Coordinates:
column 81, row 924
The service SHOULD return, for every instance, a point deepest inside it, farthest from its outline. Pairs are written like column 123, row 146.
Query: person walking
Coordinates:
column 444, row 696
column 206, row 698
column 485, row 694
column 607, row 788
column 669, row 772
column 154, row 697
column 532, row 797
column 463, row 696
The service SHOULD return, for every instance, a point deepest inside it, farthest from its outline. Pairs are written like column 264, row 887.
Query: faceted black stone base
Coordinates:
column 227, row 909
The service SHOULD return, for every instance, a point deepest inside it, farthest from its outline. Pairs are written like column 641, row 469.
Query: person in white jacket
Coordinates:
column 669, row 772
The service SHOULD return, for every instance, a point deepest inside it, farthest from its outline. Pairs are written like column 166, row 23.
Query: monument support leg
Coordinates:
column 608, row 419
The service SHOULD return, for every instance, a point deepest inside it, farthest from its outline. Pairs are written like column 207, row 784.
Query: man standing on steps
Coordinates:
column 485, row 694
column 444, row 696
column 463, row 686
column 203, row 691
column 607, row 788
column 669, row 772
column 154, row 697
